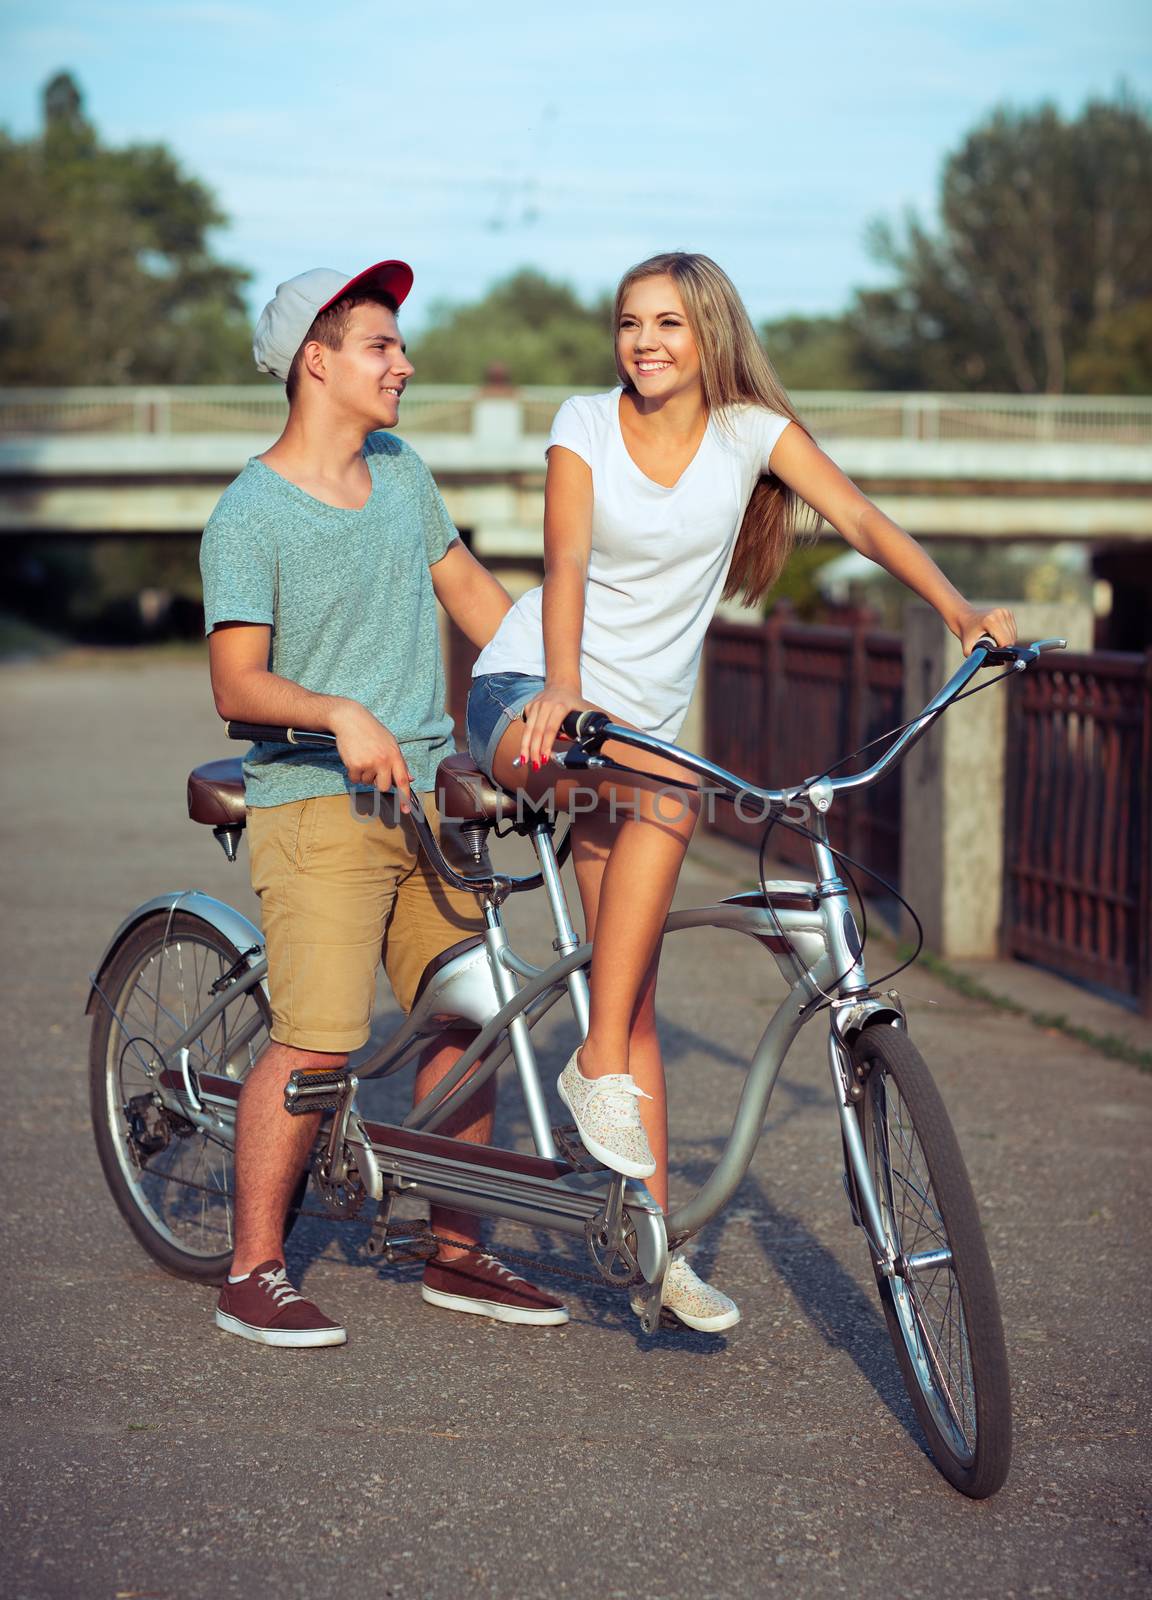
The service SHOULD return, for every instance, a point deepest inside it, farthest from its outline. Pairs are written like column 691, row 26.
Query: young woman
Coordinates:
column 682, row 485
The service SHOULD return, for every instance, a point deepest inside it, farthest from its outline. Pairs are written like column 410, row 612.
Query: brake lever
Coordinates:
column 1003, row 655
column 1017, row 656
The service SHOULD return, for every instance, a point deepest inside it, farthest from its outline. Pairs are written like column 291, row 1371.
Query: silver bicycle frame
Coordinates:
column 498, row 996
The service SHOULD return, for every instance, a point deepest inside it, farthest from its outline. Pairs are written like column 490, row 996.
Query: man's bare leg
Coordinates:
column 272, row 1147
column 471, row 1121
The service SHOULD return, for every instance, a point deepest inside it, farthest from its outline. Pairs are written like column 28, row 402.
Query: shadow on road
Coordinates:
column 833, row 1304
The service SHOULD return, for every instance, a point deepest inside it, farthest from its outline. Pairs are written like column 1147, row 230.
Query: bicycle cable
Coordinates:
column 843, row 858
column 894, row 733
column 802, row 972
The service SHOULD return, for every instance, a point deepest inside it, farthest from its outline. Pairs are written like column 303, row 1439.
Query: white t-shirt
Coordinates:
column 658, row 563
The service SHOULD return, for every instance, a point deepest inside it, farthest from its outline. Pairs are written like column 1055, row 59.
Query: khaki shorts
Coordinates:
column 336, row 890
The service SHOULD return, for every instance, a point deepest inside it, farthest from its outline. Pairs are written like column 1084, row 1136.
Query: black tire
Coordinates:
column 943, row 1317
column 178, row 1199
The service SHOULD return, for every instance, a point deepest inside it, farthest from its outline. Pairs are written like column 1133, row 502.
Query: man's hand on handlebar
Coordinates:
column 542, row 719
column 972, row 625
column 370, row 753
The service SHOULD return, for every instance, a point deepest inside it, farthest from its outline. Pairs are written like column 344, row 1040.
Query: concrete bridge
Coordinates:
column 125, row 460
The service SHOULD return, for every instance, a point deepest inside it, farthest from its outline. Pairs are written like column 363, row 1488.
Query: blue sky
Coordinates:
column 578, row 139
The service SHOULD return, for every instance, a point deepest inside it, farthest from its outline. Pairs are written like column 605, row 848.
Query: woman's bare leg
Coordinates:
column 640, row 854
column 592, row 839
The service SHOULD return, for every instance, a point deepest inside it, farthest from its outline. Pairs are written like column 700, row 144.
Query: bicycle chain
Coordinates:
column 426, row 1234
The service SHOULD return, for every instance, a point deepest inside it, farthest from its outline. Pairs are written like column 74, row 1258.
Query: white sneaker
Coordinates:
column 697, row 1304
column 607, row 1118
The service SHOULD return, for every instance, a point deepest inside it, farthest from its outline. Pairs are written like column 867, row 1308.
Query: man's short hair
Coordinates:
column 330, row 327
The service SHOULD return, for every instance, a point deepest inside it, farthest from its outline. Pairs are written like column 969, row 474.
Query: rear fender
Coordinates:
column 234, row 926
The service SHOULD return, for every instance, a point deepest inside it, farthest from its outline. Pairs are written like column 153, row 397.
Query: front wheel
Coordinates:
column 941, row 1305
column 172, row 1181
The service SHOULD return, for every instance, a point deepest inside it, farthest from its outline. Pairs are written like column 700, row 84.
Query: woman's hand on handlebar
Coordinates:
column 972, row 625
column 542, row 719
column 370, row 753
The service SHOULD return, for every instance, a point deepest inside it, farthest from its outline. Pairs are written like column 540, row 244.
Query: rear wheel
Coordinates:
column 172, row 1181
column 941, row 1305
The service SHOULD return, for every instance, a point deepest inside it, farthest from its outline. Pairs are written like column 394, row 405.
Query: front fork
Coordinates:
column 858, row 1177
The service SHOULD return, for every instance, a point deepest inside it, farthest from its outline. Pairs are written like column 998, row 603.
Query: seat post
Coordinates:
column 565, row 941
column 229, row 840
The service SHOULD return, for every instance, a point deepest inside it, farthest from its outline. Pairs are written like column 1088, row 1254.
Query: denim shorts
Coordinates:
column 495, row 701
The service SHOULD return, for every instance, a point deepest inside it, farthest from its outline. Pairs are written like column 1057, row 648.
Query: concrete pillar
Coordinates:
column 498, row 418
column 952, row 821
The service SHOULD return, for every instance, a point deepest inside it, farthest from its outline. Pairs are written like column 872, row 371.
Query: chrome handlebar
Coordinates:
column 590, row 730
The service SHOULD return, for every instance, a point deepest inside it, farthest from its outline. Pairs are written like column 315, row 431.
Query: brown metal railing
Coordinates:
column 1078, row 839
column 784, row 701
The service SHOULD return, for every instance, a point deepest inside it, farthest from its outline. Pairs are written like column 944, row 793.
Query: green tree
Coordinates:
column 528, row 327
column 1118, row 357
column 814, row 352
column 1043, row 249
column 106, row 275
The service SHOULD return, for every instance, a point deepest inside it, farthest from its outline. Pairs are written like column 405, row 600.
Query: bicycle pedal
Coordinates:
column 571, row 1147
column 316, row 1089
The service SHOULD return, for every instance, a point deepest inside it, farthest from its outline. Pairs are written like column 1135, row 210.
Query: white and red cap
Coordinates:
column 294, row 307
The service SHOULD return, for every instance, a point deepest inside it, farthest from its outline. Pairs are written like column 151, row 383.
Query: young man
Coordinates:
column 322, row 565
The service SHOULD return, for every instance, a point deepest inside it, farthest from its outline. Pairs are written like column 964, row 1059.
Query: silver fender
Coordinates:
column 850, row 1018
column 462, row 991
column 224, row 918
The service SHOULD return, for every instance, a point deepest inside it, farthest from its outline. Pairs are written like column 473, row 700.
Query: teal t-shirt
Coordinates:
column 349, row 598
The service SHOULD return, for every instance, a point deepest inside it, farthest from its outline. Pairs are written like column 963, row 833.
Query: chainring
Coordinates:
column 615, row 1258
column 342, row 1198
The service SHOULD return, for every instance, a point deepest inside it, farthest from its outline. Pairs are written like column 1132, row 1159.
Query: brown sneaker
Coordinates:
column 265, row 1308
column 485, row 1287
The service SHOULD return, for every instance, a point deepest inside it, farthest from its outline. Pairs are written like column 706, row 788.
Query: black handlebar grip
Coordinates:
column 585, row 726
column 256, row 731
column 264, row 732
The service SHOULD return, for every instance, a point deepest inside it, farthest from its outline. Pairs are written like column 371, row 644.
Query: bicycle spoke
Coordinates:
column 916, row 1190
column 178, row 1026
column 927, row 1300
column 185, row 1189
column 953, row 1364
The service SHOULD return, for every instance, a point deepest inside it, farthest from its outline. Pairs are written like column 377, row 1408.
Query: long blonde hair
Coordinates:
column 734, row 370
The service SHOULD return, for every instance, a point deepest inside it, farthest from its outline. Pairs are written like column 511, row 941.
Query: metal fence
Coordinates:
column 242, row 408
column 784, row 701
column 440, row 408
column 1078, row 841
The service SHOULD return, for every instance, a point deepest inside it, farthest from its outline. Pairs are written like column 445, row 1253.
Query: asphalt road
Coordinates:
column 149, row 1457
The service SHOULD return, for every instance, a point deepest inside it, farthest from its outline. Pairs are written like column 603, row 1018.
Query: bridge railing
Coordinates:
column 462, row 410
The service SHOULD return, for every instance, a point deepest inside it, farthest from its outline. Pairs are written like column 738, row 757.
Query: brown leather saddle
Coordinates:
column 216, row 793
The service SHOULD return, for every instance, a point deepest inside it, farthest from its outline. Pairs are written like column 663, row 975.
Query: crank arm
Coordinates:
column 651, row 1298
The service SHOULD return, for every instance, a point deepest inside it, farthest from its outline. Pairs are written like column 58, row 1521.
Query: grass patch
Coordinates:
column 1112, row 1045
column 1106, row 1044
